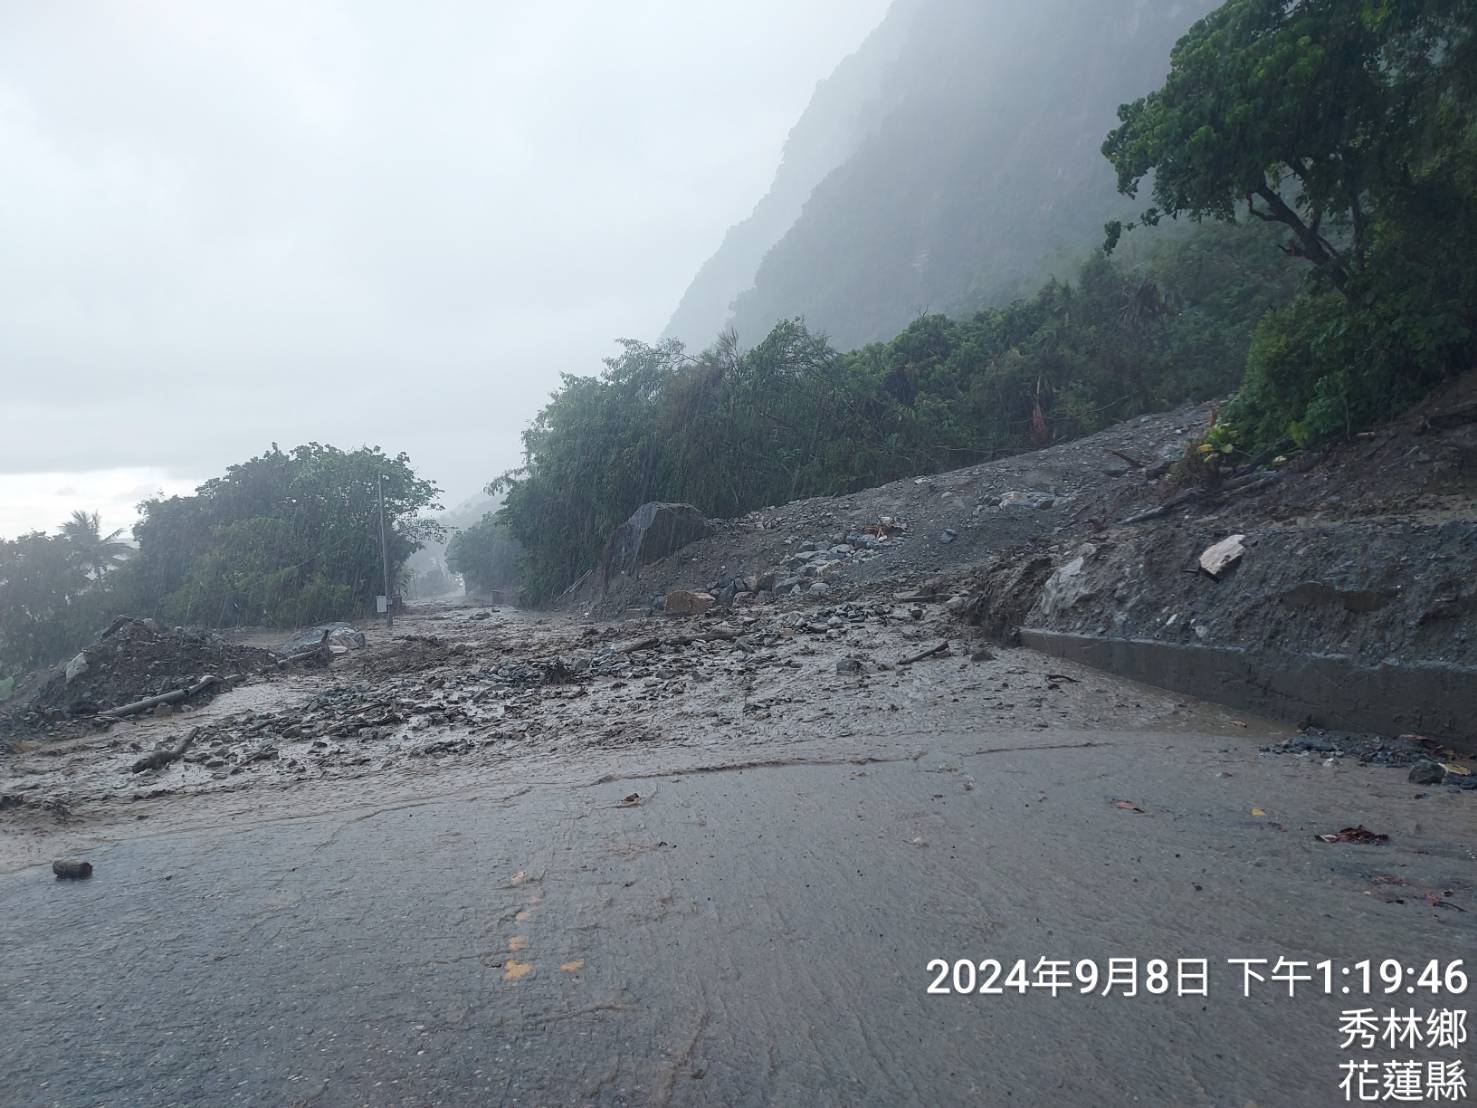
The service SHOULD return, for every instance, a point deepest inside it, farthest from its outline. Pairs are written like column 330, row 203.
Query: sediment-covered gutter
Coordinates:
column 1363, row 625
column 1435, row 700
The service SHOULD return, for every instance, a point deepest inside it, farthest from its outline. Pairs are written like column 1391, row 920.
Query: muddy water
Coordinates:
column 624, row 932
column 699, row 874
column 472, row 712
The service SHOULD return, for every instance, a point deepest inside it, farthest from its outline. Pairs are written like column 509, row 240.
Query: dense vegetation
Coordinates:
column 486, row 556
column 282, row 539
column 730, row 430
column 54, row 589
column 1350, row 126
column 286, row 538
column 1343, row 128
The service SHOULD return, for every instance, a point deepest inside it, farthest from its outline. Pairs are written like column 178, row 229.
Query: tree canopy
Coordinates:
column 91, row 550
column 1350, row 124
column 486, row 556
column 730, row 430
column 284, row 538
column 1305, row 113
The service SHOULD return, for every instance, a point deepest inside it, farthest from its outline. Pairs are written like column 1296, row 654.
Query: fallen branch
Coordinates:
column 1252, row 482
column 936, row 648
column 163, row 698
column 166, row 754
column 715, row 635
column 1445, row 421
column 1163, row 509
column 1129, row 458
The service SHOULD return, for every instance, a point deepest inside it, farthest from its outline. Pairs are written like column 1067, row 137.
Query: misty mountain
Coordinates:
column 952, row 163
column 841, row 111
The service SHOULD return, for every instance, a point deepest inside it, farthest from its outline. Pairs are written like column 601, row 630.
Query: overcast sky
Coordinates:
column 223, row 225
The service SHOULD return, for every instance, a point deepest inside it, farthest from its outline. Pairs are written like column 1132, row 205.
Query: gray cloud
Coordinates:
column 226, row 225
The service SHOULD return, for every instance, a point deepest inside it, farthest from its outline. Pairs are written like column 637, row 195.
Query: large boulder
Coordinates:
column 685, row 602
column 653, row 531
column 342, row 637
column 1069, row 585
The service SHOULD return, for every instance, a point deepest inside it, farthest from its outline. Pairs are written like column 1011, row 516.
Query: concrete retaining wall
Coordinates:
column 1333, row 691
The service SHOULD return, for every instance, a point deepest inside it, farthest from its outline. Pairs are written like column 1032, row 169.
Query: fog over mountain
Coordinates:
column 950, row 163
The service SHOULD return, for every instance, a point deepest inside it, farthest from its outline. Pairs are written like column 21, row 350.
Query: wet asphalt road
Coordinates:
column 739, row 936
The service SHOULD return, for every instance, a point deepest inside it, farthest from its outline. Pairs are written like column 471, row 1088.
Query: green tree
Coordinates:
column 44, row 609
column 486, row 556
column 1304, row 114
column 91, row 549
column 1350, row 124
column 284, row 538
column 729, row 430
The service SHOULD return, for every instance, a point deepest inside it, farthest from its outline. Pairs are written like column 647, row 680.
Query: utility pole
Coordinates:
column 385, row 557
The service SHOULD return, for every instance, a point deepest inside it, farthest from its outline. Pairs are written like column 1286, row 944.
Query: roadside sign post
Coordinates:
column 382, row 603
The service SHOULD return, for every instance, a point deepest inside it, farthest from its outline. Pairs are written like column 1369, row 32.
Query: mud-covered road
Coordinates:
column 738, row 905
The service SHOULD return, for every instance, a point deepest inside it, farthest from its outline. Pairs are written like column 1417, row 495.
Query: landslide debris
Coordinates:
column 131, row 660
column 907, row 529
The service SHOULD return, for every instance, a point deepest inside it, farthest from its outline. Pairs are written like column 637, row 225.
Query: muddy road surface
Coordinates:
column 707, row 870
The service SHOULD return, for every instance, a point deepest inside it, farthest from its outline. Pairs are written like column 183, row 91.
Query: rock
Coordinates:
column 949, row 535
column 1217, row 560
column 1427, row 773
column 850, row 667
column 71, row 870
column 654, row 531
column 1018, row 499
column 1067, row 586
column 77, row 667
column 683, row 602
column 760, row 582
column 957, row 603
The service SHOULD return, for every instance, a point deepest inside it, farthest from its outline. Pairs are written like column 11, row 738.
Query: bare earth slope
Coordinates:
column 947, row 521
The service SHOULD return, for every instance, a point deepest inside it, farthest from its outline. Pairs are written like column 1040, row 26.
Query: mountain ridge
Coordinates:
column 938, row 206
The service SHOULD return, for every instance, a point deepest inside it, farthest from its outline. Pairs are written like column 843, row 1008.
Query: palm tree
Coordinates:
column 91, row 549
